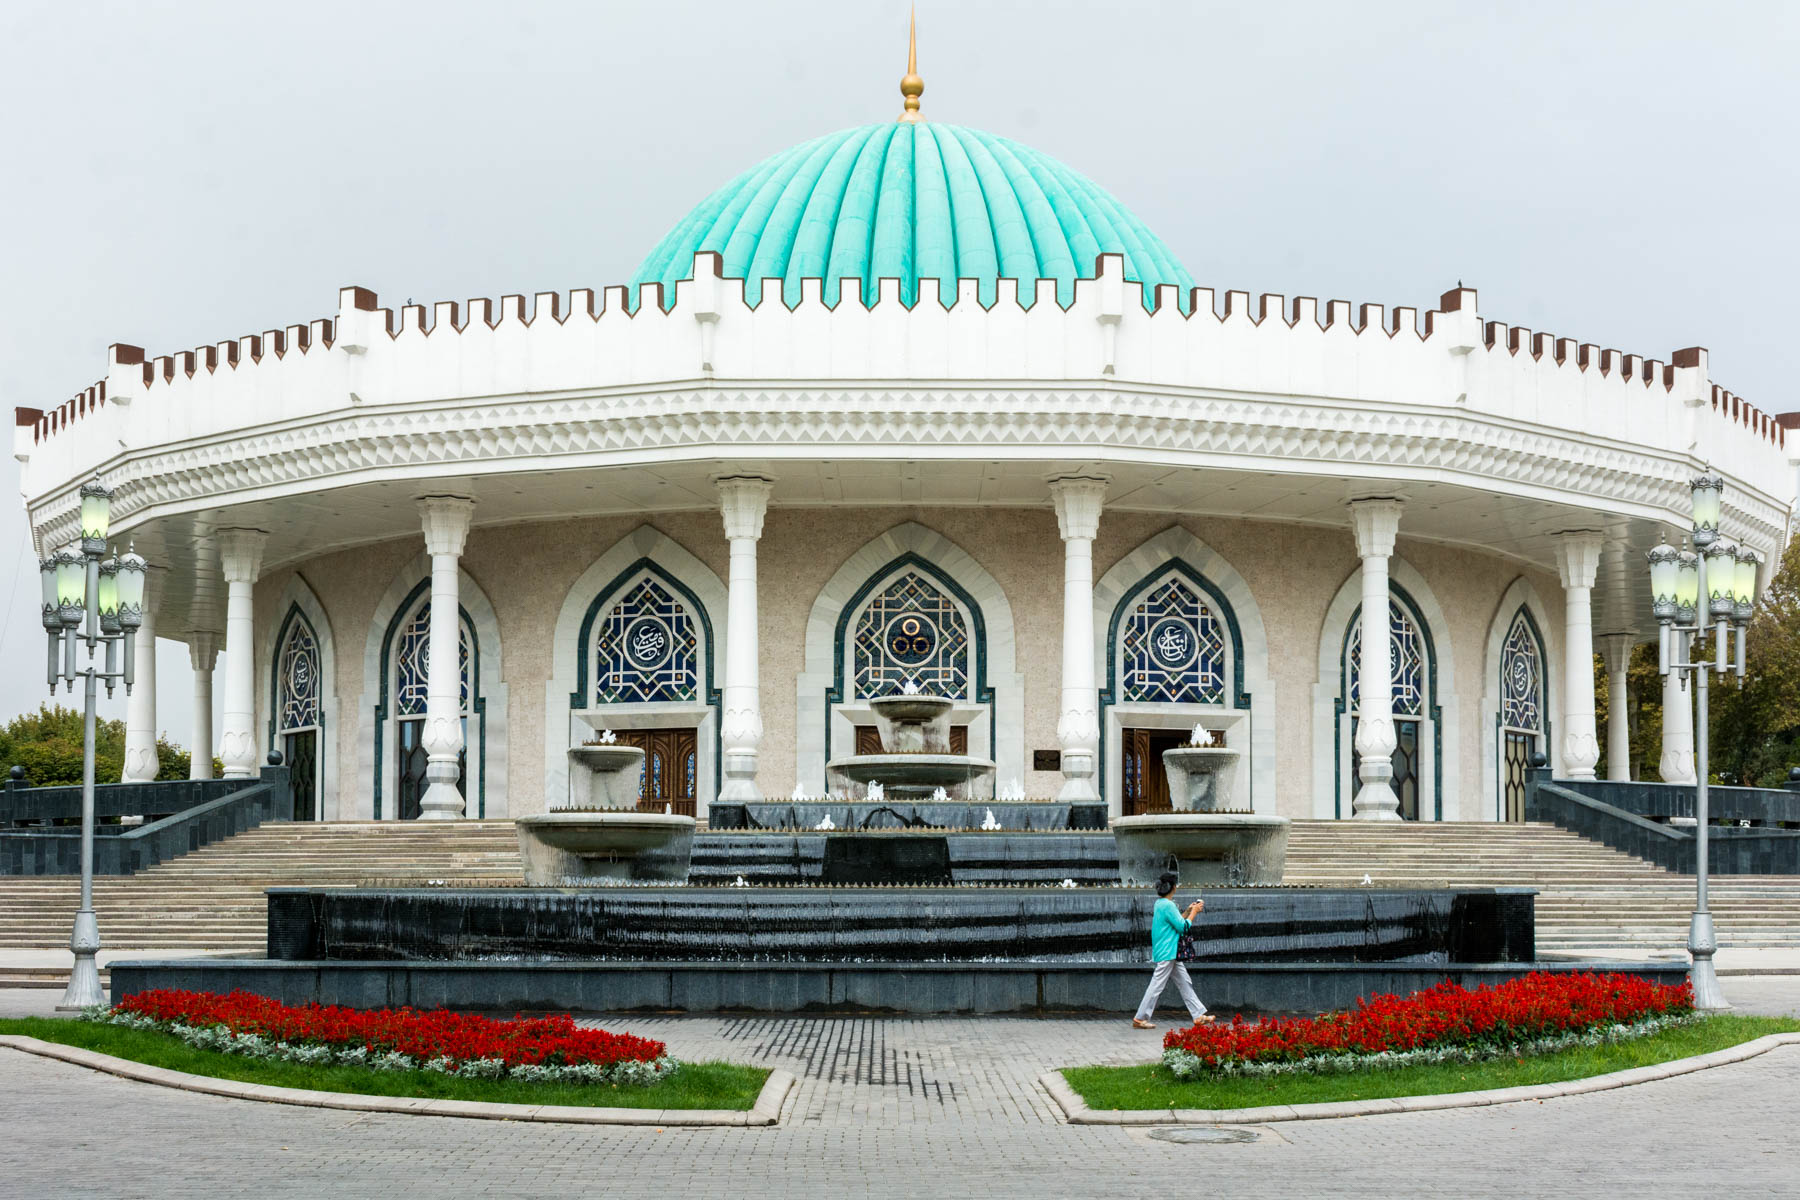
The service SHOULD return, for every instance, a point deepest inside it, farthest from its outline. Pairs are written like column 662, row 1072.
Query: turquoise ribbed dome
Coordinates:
column 911, row 201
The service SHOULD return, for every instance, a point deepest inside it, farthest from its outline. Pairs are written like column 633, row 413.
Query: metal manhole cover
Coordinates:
column 1203, row 1135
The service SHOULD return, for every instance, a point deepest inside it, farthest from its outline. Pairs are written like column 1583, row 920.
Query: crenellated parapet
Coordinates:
column 338, row 392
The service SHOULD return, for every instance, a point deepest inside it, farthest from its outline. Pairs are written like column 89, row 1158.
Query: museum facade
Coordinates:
column 907, row 406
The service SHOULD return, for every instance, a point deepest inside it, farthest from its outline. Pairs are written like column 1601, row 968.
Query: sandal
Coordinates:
column 1137, row 1024
column 1205, row 1019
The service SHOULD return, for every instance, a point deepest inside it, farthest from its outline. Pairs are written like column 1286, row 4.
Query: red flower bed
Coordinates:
column 1534, row 1006
column 522, row 1041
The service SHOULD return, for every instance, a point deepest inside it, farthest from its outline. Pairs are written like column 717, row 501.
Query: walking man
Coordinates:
column 1167, row 924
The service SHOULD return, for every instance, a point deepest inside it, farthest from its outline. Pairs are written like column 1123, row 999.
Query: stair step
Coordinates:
column 1588, row 894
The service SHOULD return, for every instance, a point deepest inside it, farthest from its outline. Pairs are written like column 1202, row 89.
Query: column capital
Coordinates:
column 1078, row 499
column 1616, row 649
column 1376, row 522
column 240, row 554
column 203, row 649
column 743, row 501
column 445, row 520
column 1578, row 556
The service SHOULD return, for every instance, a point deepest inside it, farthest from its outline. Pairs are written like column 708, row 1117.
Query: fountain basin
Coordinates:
column 604, row 776
column 914, row 723
column 914, row 777
column 1199, row 776
column 573, row 849
column 1232, row 849
column 912, row 710
column 802, row 816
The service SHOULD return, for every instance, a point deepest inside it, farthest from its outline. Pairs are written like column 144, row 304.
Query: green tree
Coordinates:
column 1643, row 711
column 48, row 744
column 1756, row 722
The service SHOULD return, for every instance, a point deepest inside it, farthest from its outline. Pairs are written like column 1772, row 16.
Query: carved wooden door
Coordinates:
column 1146, row 784
column 671, row 768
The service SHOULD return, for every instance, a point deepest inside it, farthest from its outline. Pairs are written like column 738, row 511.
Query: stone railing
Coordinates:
column 40, row 828
column 1654, row 821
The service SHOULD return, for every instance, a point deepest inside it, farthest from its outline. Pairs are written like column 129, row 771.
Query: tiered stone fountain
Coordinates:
column 917, row 762
column 1201, row 839
column 597, row 835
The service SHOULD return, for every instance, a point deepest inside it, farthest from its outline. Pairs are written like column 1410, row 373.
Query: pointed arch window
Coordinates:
column 1415, row 711
column 1522, row 679
column 299, row 716
column 647, row 649
column 1406, row 660
column 298, row 671
column 412, row 667
column 1172, row 648
column 1521, row 711
column 911, row 632
column 412, row 675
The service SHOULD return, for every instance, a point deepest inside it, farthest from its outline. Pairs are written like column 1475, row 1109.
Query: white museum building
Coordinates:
column 908, row 405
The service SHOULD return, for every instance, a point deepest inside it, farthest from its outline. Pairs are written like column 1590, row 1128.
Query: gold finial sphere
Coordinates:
column 911, row 86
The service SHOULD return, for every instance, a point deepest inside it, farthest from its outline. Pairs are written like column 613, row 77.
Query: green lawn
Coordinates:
column 1152, row 1086
column 695, row 1085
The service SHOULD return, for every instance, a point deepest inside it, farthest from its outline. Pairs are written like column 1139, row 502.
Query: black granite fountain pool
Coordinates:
column 932, row 905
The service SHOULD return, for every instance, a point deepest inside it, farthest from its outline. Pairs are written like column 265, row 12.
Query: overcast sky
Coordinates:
column 182, row 173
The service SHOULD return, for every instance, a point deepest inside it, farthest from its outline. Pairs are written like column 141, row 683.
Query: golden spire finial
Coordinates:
column 912, row 87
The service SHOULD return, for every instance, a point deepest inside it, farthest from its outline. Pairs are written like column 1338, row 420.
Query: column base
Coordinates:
column 1078, row 778
column 737, row 772
column 141, row 764
column 441, row 801
column 1375, row 801
column 237, row 751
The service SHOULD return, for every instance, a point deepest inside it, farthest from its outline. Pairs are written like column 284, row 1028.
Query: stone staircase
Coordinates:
column 1588, row 894
column 213, row 898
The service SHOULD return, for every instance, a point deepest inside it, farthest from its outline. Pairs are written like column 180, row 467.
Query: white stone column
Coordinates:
column 1376, row 522
column 240, row 557
column 1078, row 501
column 1615, row 648
column 1577, row 559
column 445, row 520
column 1677, row 762
column 141, row 763
column 203, row 653
column 743, row 501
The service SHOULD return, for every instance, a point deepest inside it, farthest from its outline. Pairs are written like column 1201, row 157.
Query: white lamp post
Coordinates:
column 1691, row 592
column 90, row 599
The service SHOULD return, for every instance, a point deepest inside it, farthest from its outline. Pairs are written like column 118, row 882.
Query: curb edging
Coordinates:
column 1077, row 1112
column 765, row 1112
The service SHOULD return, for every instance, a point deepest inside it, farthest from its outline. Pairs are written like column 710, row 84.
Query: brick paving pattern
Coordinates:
column 893, row 1108
column 891, row 1070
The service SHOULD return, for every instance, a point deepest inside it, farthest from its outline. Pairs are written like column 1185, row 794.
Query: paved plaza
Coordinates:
column 891, row 1107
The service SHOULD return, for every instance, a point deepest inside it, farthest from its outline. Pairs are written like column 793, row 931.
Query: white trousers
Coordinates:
column 1160, row 980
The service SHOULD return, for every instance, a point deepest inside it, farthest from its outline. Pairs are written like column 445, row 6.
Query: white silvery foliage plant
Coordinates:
column 1184, row 1065
column 250, row 1045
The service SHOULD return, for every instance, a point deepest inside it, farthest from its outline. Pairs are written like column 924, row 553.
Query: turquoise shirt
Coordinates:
column 1166, row 928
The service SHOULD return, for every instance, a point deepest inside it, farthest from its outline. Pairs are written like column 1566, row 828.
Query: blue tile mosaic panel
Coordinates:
column 648, row 649
column 1406, row 658
column 298, row 666
column 1522, row 679
column 911, row 633
column 1172, row 648
column 413, row 662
